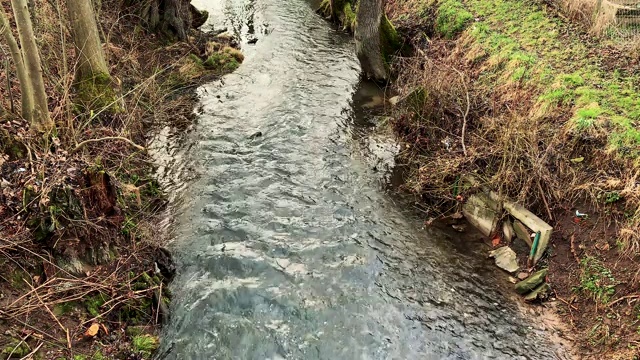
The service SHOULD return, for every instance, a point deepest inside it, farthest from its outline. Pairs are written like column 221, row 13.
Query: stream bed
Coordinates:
column 288, row 243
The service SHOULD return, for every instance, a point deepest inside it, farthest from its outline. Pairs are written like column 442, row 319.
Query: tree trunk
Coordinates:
column 40, row 118
column 340, row 11
column 368, row 38
column 93, row 81
column 23, row 78
column 91, row 59
column 171, row 18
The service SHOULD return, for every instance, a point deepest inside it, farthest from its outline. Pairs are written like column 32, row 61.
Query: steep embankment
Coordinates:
column 546, row 114
column 82, row 271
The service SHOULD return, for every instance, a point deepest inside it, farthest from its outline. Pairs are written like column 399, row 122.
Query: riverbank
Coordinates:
column 83, row 271
column 544, row 114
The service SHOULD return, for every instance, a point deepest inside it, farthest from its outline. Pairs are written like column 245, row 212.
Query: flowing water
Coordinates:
column 288, row 246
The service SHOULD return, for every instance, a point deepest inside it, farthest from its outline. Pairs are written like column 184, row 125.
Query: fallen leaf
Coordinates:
column 495, row 241
column 92, row 330
column 577, row 160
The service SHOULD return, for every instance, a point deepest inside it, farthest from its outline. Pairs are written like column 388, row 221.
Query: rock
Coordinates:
column 505, row 258
column 531, row 282
column 507, row 231
column 522, row 232
column 252, row 41
column 523, row 275
column 538, row 293
column 255, row 135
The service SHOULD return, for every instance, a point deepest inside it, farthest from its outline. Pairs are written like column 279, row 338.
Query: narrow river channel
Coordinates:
column 289, row 247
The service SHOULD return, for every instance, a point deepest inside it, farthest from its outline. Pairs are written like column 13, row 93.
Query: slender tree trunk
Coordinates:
column 31, row 58
column 94, row 85
column 87, row 39
column 367, row 34
column 16, row 55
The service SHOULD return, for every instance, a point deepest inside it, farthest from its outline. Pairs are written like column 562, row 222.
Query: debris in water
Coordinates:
column 505, row 258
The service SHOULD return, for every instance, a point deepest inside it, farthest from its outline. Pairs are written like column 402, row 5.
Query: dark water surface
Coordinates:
column 288, row 246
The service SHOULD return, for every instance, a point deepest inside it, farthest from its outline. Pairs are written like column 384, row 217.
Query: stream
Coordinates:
column 288, row 243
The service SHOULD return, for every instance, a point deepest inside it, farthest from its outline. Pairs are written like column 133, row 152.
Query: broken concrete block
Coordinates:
column 532, row 222
column 531, row 282
column 505, row 259
column 482, row 212
column 507, row 231
column 522, row 233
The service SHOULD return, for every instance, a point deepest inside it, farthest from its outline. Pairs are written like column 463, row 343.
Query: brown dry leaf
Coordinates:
column 495, row 241
column 92, row 330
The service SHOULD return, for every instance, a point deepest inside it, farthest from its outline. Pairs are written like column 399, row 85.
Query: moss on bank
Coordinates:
column 98, row 93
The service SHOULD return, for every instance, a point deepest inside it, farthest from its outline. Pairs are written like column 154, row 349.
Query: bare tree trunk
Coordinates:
column 368, row 37
column 172, row 18
column 87, row 40
column 41, row 119
column 94, row 85
column 16, row 55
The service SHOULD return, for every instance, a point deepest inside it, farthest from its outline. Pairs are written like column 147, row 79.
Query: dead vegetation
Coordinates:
column 498, row 100
column 79, row 241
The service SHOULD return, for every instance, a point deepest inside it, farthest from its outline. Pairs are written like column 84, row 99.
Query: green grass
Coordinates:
column 520, row 42
column 452, row 18
column 596, row 280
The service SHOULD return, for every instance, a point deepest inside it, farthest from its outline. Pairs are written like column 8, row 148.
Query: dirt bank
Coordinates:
column 82, row 271
column 545, row 114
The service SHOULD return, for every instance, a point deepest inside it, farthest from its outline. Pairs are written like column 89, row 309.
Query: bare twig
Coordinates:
column 466, row 112
column 544, row 199
column 29, row 355
column 17, row 346
column 634, row 296
column 573, row 248
column 66, row 331
column 80, row 145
